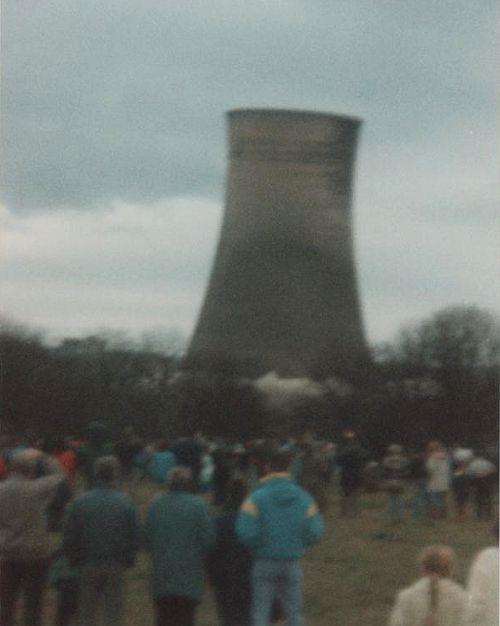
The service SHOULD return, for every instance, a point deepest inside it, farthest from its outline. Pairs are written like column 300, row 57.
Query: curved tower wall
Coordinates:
column 282, row 294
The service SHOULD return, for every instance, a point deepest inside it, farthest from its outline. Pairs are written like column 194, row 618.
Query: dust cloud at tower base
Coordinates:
column 283, row 294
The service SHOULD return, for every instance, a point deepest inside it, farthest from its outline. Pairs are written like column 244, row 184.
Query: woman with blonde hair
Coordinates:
column 434, row 599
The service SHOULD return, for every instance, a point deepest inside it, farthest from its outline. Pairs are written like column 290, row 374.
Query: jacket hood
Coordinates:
column 283, row 492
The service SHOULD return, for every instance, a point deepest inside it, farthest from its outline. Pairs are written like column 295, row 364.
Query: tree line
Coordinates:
column 438, row 378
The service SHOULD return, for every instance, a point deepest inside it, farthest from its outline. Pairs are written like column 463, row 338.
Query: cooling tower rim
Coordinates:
column 296, row 113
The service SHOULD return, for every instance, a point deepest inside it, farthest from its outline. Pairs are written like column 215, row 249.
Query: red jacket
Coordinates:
column 67, row 458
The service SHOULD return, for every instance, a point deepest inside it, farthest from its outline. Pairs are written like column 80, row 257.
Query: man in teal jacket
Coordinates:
column 179, row 535
column 278, row 522
column 101, row 538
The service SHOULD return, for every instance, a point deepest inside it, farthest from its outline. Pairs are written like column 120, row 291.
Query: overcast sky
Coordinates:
column 114, row 148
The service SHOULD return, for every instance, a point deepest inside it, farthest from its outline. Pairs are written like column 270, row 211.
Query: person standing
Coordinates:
column 351, row 461
column 126, row 450
column 278, row 522
column 188, row 453
column 438, row 478
column 101, row 537
column 222, row 474
column 395, row 468
column 24, row 539
column 61, row 452
column 460, row 485
column 97, row 444
column 230, row 563
column 179, row 535
column 312, row 472
column 419, row 501
column 206, row 485
column 481, row 473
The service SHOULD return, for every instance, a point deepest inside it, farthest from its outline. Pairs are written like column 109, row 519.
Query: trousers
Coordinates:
column 29, row 578
column 175, row 611
column 277, row 578
column 102, row 586
column 67, row 602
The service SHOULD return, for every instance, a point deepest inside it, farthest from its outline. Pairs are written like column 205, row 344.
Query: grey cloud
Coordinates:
column 122, row 245
column 128, row 266
column 126, row 99
column 142, row 266
column 124, row 102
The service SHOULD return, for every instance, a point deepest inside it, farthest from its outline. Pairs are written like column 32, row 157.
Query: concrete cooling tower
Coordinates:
column 282, row 294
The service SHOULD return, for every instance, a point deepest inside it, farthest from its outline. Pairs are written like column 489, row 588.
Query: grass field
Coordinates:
column 350, row 579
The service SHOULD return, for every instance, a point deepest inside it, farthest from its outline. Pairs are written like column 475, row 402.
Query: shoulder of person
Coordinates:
column 81, row 500
column 198, row 502
column 157, row 503
column 250, row 505
column 419, row 587
column 487, row 557
column 76, row 505
column 452, row 584
column 404, row 595
column 125, row 500
column 454, row 589
column 192, row 500
column 306, row 497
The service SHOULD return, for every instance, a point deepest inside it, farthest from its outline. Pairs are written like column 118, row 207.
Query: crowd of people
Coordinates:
column 242, row 514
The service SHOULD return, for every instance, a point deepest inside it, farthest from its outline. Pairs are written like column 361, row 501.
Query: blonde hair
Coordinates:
column 435, row 562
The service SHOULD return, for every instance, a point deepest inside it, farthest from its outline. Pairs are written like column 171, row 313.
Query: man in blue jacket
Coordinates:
column 101, row 538
column 278, row 522
column 179, row 535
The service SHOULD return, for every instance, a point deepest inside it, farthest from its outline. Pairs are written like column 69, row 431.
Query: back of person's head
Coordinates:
column 98, row 433
column 107, row 469
column 280, row 460
column 436, row 562
column 235, row 494
column 434, row 446
column 163, row 445
column 180, row 478
column 25, row 463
